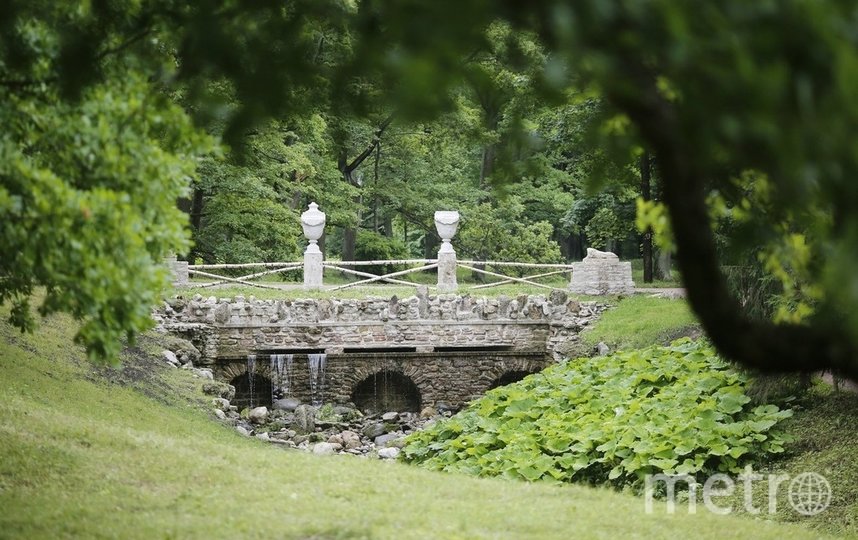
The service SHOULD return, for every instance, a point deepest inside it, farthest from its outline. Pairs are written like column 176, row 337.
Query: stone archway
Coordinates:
column 251, row 391
column 509, row 377
column 386, row 390
column 252, row 381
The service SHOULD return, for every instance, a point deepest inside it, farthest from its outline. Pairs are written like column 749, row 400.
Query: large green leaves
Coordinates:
column 677, row 409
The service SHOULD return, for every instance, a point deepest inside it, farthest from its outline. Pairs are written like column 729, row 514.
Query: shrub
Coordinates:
column 677, row 409
column 372, row 246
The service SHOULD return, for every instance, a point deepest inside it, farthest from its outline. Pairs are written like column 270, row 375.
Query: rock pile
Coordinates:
column 329, row 429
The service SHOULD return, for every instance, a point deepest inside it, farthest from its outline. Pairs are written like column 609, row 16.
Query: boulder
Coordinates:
column 373, row 430
column 324, row 448
column 204, row 373
column 220, row 414
column 305, row 418
column 389, row 453
column 390, row 416
column 221, row 404
column 286, row 404
column 242, row 431
column 220, row 389
column 258, row 415
column 351, row 440
column 386, row 439
column 184, row 349
column 170, row 358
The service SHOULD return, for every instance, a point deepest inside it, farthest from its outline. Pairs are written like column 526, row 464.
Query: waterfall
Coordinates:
column 251, row 371
column 316, row 363
column 281, row 367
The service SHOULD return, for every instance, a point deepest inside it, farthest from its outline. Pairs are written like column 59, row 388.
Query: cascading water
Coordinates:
column 281, row 366
column 251, row 371
column 316, row 363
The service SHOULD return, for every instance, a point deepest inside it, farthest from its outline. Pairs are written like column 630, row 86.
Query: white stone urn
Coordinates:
column 313, row 223
column 446, row 223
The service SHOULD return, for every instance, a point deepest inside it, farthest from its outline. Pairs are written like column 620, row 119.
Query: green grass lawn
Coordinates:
column 642, row 320
column 89, row 453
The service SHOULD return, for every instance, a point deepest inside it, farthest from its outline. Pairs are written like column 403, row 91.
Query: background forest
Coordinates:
column 514, row 164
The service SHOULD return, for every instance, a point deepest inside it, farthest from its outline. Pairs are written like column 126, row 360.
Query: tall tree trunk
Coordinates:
column 196, row 217
column 430, row 246
column 646, row 193
column 346, row 169
column 488, row 164
column 349, row 236
column 663, row 263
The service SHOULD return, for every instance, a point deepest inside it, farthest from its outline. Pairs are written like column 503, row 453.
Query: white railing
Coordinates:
column 347, row 267
column 313, row 265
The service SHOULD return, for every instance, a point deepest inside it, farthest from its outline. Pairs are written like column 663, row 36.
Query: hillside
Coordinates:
column 89, row 453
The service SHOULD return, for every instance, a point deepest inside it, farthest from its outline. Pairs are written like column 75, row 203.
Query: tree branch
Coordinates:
column 368, row 150
column 756, row 344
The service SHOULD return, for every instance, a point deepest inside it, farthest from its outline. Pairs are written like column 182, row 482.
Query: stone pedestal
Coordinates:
column 178, row 271
column 313, row 224
column 447, row 272
column 180, row 274
column 313, row 269
column 446, row 223
column 601, row 273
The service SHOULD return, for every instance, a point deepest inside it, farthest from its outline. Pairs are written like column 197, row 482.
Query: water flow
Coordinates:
column 281, row 366
column 251, row 371
column 276, row 373
column 316, row 363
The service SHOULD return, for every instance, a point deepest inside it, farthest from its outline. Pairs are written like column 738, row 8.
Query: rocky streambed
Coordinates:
column 328, row 429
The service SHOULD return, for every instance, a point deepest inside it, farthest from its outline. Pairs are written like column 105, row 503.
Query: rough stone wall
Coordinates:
column 525, row 333
column 601, row 273
column 233, row 328
column 452, row 378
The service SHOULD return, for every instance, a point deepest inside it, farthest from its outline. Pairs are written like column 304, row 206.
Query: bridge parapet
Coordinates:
column 421, row 323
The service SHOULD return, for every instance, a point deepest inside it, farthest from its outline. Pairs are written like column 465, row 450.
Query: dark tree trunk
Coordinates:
column 349, row 236
column 663, row 264
column 646, row 194
column 823, row 344
column 430, row 246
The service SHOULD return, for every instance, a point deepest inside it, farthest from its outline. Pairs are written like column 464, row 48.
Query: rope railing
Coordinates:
column 387, row 276
column 347, row 267
column 314, row 264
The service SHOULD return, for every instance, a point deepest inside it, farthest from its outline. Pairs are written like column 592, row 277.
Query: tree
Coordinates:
column 713, row 90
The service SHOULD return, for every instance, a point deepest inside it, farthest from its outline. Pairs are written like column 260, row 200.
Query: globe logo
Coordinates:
column 809, row 493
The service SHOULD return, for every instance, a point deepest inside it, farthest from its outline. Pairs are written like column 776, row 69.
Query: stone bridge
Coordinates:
column 380, row 353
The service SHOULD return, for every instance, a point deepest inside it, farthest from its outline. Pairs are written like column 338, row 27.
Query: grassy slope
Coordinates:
column 825, row 429
column 641, row 320
column 86, row 457
column 825, row 424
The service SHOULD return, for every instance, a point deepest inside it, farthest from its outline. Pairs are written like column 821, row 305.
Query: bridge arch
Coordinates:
column 510, row 371
column 386, row 390
column 509, row 377
column 250, row 391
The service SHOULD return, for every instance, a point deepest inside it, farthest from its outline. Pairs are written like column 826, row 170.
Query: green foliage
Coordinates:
column 87, row 204
column 243, row 220
column 372, row 246
column 501, row 231
column 603, row 227
column 677, row 410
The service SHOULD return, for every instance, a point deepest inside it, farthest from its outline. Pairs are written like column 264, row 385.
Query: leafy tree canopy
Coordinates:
column 717, row 91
